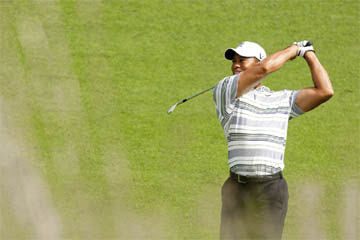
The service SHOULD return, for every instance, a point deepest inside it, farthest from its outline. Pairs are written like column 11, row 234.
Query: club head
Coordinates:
column 172, row 108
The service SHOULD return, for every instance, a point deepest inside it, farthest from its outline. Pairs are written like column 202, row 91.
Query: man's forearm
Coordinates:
column 319, row 75
column 276, row 60
column 311, row 97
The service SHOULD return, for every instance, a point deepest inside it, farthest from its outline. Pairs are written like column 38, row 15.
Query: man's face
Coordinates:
column 240, row 64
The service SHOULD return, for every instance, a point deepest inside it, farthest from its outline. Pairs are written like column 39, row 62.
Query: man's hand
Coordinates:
column 303, row 47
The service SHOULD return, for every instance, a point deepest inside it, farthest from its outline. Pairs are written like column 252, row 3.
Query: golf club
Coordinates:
column 186, row 99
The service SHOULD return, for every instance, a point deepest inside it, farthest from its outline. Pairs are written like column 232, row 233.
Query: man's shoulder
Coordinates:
column 230, row 78
column 226, row 81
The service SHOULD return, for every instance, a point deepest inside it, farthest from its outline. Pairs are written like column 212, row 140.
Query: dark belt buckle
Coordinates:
column 239, row 179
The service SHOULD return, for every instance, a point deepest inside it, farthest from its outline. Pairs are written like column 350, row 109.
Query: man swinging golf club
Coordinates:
column 255, row 121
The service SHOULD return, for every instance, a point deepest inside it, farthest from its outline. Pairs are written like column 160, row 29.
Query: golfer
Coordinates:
column 255, row 121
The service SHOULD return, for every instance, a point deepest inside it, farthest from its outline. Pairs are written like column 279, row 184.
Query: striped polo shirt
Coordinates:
column 255, row 126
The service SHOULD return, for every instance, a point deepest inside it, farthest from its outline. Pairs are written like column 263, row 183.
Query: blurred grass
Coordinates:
column 95, row 100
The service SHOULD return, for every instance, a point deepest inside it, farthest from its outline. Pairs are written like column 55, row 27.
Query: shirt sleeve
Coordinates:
column 295, row 109
column 224, row 96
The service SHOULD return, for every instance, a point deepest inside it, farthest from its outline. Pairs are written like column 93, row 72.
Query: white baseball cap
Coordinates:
column 246, row 49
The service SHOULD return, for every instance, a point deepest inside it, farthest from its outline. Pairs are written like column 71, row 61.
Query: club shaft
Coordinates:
column 199, row 93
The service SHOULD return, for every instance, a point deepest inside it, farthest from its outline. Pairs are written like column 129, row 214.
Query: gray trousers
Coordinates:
column 253, row 210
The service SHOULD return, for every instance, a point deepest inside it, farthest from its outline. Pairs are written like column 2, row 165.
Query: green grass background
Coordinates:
column 88, row 85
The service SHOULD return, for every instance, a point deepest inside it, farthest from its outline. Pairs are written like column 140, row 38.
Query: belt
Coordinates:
column 256, row 179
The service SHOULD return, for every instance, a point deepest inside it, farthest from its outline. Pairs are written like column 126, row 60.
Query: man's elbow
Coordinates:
column 330, row 93
column 327, row 94
column 269, row 66
column 265, row 67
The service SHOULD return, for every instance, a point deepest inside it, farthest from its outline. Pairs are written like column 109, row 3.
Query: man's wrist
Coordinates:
column 294, row 49
column 309, row 54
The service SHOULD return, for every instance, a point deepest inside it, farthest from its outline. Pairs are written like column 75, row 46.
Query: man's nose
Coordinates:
column 236, row 64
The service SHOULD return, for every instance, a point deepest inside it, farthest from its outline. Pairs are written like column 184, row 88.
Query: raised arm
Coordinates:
column 311, row 97
column 254, row 75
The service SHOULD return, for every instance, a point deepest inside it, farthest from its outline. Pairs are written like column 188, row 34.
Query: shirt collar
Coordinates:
column 262, row 89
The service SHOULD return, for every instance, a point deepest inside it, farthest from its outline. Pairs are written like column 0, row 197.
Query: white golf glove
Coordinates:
column 303, row 48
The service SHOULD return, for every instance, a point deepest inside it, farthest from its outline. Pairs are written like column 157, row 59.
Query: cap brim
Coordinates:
column 229, row 53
